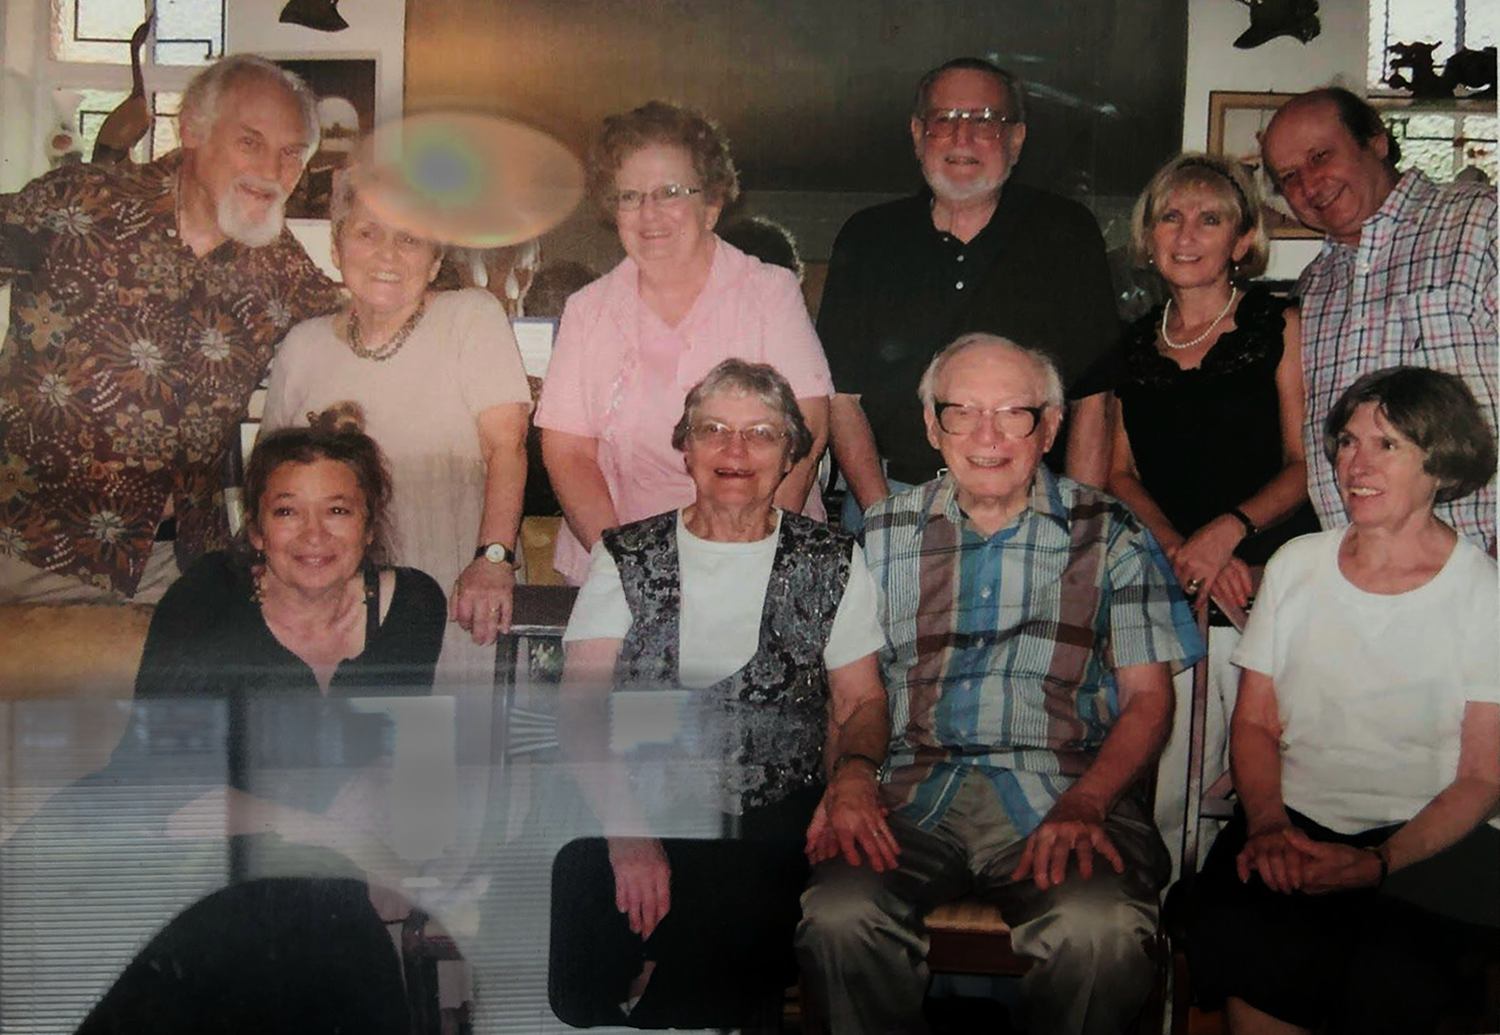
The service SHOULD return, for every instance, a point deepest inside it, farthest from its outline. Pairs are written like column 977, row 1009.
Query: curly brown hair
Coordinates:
column 661, row 122
column 335, row 434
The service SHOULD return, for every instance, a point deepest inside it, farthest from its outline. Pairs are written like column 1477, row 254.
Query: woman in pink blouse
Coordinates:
column 631, row 344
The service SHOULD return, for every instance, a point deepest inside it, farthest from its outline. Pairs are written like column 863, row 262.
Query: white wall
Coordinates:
column 1282, row 65
column 376, row 28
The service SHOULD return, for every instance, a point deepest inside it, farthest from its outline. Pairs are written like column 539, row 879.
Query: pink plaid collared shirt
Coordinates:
column 1418, row 290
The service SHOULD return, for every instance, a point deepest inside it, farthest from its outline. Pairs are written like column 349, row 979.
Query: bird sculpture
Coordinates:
column 128, row 123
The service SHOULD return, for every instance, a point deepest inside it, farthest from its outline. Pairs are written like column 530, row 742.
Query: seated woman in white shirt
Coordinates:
column 758, row 629
column 1365, row 743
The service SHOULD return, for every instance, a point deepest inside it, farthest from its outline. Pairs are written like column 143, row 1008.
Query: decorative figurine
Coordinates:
column 1473, row 69
column 130, row 120
column 1272, row 18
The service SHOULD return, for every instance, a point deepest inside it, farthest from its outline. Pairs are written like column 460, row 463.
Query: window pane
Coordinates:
column 165, row 135
column 91, row 113
column 1481, row 24
column 1478, row 140
column 189, row 32
column 1411, row 21
column 95, row 30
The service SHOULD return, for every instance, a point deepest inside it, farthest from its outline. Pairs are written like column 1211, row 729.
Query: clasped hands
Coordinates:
column 1288, row 860
column 1206, row 566
column 850, row 821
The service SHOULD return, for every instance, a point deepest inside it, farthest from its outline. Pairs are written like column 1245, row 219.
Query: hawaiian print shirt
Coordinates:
column 127, row 367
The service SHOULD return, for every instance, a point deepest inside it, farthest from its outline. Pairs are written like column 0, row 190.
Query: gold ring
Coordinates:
column 1193, row 585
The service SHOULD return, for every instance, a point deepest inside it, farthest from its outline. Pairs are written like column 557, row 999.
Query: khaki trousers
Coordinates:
column 863, row 949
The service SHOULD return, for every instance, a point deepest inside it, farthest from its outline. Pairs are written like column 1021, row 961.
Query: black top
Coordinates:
column 898, row 290
column 214, row 677
column 1207, row 439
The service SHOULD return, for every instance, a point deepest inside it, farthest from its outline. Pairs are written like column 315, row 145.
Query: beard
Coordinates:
column 963, row 191
column 239, row 224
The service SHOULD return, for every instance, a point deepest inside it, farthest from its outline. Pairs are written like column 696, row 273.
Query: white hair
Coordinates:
column 1044, row 365
column 200, row 101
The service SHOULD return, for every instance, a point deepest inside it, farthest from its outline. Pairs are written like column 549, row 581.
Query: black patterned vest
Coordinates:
column 770, row 718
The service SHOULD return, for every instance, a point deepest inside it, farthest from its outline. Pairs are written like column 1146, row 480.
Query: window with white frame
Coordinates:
column 89, row 51
column 1441, row 138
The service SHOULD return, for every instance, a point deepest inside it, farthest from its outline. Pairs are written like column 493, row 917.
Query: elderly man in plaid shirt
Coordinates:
column 1032, row 628
column 1406, row 276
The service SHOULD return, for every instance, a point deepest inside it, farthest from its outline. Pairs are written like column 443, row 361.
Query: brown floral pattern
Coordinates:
column 128, row 364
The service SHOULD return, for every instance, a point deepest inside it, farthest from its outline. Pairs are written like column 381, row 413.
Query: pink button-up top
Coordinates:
column 619, row 374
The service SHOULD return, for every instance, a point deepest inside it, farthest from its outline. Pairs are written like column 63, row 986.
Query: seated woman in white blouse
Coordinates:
column 1365, row 743
column 763, row 624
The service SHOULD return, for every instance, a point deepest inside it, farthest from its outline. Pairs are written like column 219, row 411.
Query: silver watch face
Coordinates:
column 496, row 554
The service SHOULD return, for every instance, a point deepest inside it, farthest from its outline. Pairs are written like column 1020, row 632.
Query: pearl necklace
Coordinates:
column 381, row 353
column 1167, row 311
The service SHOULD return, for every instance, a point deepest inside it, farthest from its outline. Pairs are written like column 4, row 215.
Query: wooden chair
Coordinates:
column 969, row 936
column 541, row 614
column 1214, row 803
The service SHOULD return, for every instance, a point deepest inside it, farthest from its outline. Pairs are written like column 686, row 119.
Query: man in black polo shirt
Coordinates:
column 908, row 277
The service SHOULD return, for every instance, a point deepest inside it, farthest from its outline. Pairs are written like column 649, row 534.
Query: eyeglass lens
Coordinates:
column 666, row 194
column 984, row 123
column 1009, row 421
column 757, row 436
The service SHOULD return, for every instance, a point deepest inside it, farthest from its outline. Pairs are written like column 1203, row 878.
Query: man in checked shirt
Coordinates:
column 1406, row 276
column 1032, row 627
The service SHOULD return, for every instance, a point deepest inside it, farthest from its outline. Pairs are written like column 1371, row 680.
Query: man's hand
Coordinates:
column 1072, row 826
column 483, row 598
column 643, row 881
column 850, row 820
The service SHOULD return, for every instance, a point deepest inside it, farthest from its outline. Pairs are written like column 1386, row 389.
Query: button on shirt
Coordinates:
column 1002, row 649
column 1418, row 289
column 899, row 289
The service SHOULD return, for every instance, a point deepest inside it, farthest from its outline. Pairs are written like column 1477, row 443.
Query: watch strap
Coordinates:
column 1244, row 519
column 507, row 555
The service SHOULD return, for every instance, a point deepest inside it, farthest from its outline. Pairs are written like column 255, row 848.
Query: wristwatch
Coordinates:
column 496, row 553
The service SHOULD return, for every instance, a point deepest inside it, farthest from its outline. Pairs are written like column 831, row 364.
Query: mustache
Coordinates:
column 278, row 193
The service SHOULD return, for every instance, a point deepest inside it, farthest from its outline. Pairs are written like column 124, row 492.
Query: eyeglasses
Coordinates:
column 666, row 194
column 1008, row 421
column 718, row 436
column 984, row 123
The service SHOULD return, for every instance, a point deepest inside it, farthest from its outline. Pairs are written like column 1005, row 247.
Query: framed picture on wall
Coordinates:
column 1235, row 123
column 1444, row 138
column 345, row 86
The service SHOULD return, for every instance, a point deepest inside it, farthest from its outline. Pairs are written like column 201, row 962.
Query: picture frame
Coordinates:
column 347, row 86
column 1235, row 123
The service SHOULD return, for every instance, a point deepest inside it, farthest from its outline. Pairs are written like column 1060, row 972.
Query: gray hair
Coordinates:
column 200, row 101
column 1015, row 91
column 1043, row 364
column 346, row 185
column 341, row 200
column 761, row 380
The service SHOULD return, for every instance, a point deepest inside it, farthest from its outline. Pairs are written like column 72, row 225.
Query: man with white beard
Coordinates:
column 146, row 302
column 968, row 253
